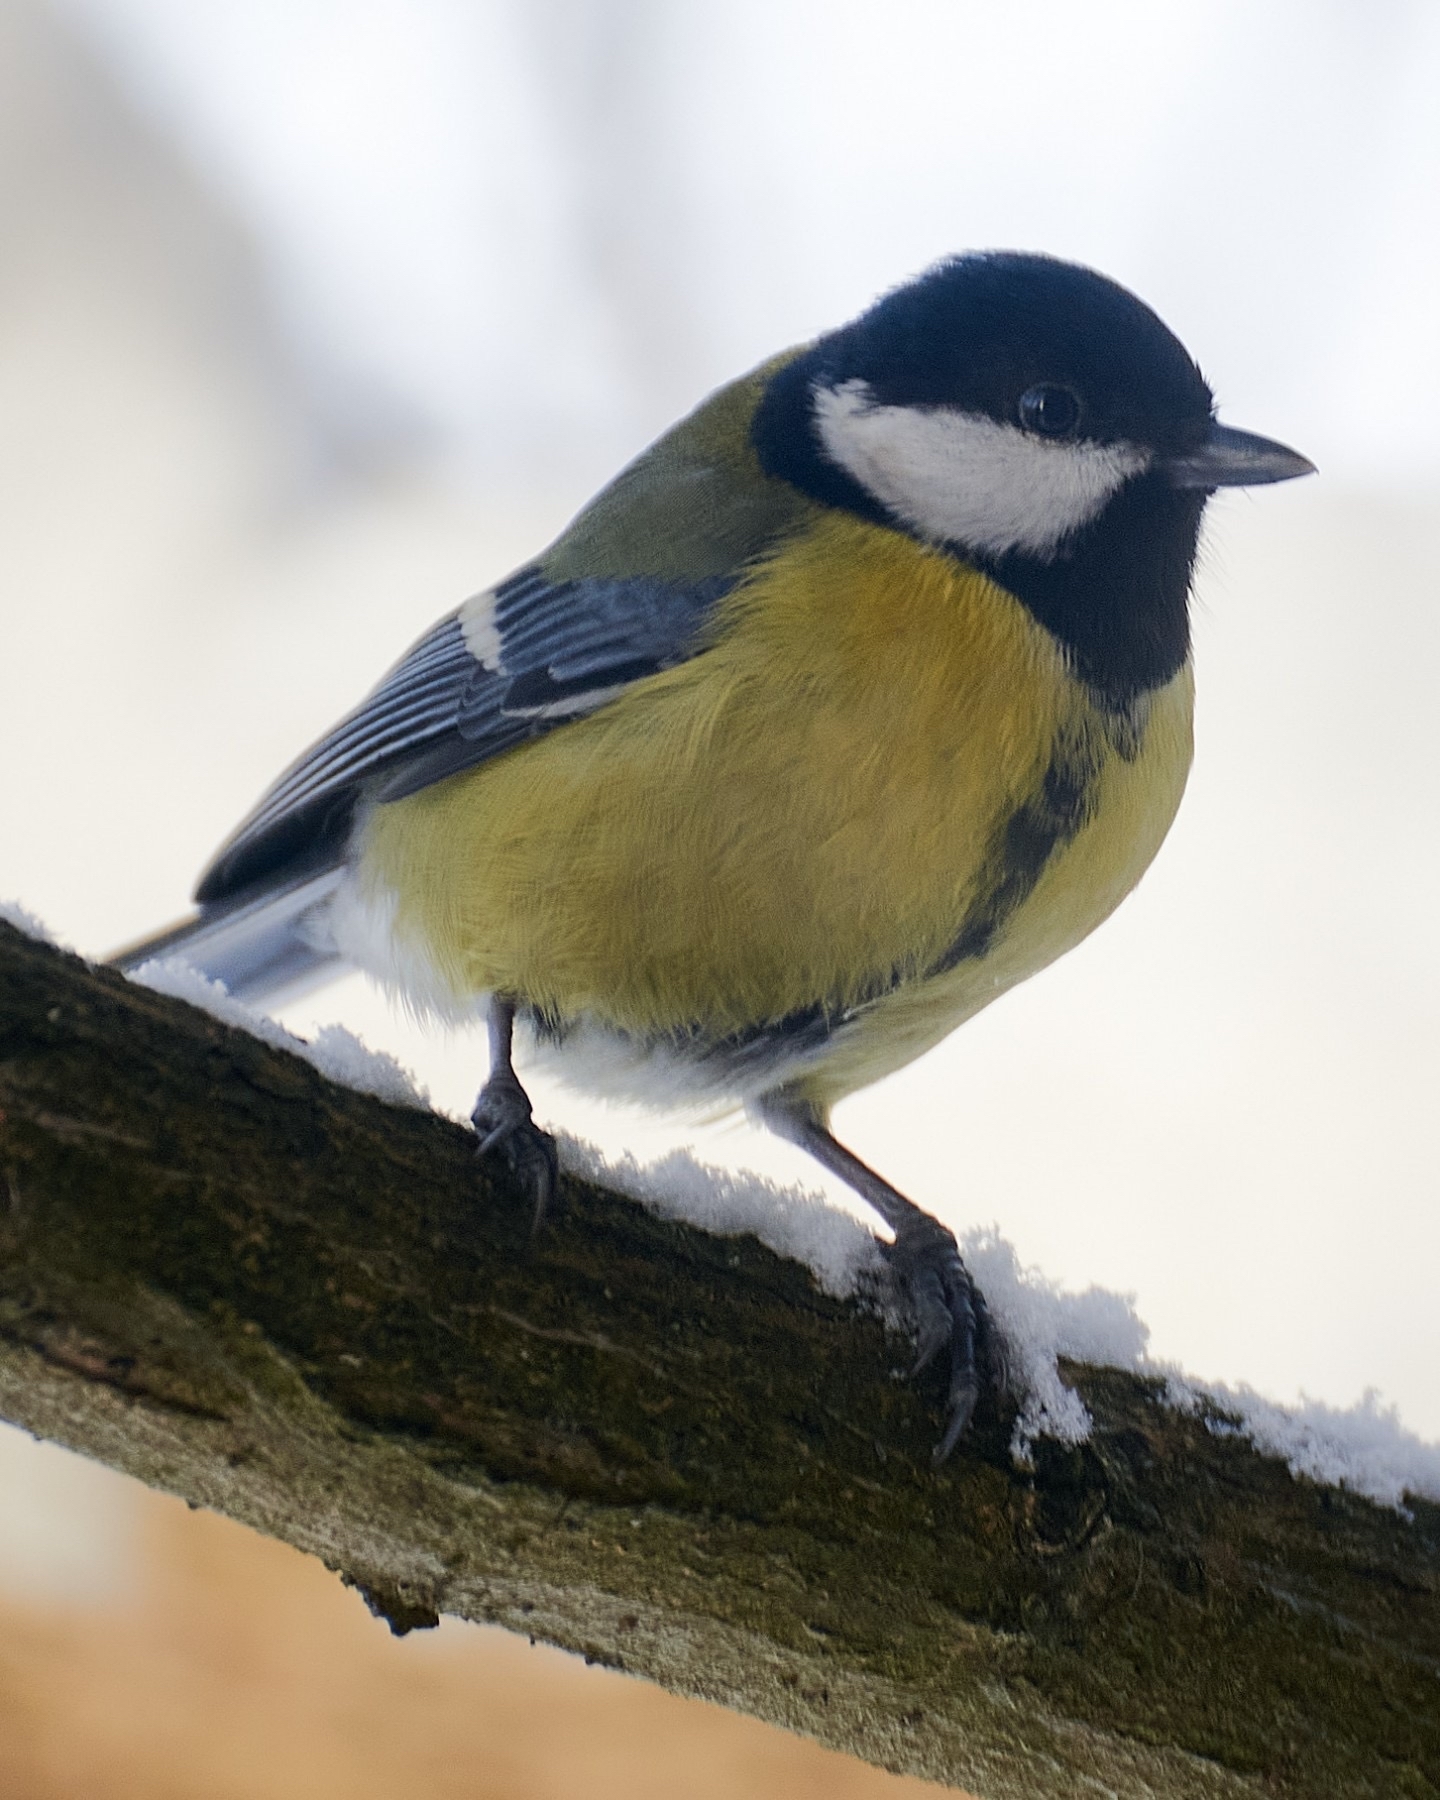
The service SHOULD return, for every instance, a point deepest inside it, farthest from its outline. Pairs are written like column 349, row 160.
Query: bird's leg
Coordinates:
column 503, row 1122
column 948, row 1307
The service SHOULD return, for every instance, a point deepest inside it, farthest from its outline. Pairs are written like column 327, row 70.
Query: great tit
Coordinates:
column 860, row 696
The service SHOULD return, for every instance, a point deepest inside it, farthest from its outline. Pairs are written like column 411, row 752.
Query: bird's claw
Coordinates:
column 504, row 1125
column 947, row 1309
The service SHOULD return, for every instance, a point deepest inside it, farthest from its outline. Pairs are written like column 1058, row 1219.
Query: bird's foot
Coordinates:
column 504, row 1125
column 949, row 1311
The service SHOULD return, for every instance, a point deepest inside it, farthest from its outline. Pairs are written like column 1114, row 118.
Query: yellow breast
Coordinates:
column 809, row 812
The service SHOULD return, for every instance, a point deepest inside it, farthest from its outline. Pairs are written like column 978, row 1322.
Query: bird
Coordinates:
column 859, row 697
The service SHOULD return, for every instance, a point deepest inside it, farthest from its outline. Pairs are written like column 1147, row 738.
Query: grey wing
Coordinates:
column 513, row 663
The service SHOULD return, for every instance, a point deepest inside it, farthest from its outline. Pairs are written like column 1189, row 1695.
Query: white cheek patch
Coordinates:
column 962, row 478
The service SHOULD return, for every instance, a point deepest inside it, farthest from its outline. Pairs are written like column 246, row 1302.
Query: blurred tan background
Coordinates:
column 218, row 1665
column 316, row 317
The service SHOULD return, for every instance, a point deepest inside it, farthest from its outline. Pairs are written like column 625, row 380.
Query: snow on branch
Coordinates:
column 679, row 1453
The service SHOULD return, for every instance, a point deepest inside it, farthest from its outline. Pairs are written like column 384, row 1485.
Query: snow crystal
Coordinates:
column 1363, row 1448
column 15, row 914
column 337, row 1053
column 343, row 1057
column 1040, row 1322
column 837, row 1248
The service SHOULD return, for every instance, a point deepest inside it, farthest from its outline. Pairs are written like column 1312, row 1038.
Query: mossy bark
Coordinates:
column 319, row 1315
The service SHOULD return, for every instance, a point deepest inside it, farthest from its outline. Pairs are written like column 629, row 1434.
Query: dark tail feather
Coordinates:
column 265, row 945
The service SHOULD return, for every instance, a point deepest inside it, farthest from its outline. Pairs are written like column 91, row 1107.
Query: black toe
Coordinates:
column 948, row 1311
column 504, row 1125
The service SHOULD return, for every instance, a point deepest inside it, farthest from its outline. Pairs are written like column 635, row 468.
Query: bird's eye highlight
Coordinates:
column 1050, row 410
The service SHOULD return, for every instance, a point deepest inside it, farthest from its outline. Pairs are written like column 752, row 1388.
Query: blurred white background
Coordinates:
column 316, row 317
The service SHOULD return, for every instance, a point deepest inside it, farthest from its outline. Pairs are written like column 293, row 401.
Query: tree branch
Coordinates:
column 318, row 1314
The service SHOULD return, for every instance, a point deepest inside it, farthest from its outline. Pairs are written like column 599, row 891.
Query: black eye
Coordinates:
column 1051, row 410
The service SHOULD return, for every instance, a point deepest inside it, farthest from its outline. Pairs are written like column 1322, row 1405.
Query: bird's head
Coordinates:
column 1036, row 419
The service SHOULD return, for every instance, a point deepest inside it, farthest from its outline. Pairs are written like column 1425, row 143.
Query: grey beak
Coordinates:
column 1230, row 458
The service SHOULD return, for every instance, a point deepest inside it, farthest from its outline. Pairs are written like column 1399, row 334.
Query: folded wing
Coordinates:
column 513, row 663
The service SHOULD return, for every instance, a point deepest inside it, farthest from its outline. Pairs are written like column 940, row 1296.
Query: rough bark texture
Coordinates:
column 317, row 1314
